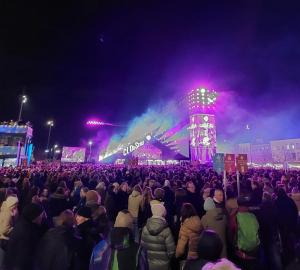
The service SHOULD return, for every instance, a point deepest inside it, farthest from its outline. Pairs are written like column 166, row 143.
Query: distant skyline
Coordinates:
column 92, row 59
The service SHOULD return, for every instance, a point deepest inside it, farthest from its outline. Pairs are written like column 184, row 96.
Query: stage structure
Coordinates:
column 202, row 126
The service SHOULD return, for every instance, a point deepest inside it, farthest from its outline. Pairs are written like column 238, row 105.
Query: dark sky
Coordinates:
column 76, row 59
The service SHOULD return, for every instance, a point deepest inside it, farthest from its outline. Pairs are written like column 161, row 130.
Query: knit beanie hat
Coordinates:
column 32, row 211
column 158, row 210
column 209, row 204
column 92, row 197
column 11, row 201
column 84, row 212
column 124, row 219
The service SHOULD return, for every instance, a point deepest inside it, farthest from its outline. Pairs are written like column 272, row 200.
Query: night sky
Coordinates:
column 76, row 59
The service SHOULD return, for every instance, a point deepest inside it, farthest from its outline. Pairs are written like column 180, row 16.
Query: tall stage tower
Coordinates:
column 202, row 128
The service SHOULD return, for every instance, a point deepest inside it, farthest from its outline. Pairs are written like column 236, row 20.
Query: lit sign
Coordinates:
column 132, row 147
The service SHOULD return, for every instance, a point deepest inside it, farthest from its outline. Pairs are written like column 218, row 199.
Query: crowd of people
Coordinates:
column 97, row 217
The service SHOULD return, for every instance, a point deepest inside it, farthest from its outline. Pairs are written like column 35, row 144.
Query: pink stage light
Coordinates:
column 95, row 123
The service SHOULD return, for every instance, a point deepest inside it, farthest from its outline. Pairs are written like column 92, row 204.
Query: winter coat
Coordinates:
column 144, row 214
column 111, row 205
column 123, row 200
column 197, row 201
column 22, row 245
column 88, row 233
column 58, row 250
column 216, row 220
column 268, row 223
column 7, row 221
column 189, row 235
column 158, row 240
column 57, row 204
column 134, row 202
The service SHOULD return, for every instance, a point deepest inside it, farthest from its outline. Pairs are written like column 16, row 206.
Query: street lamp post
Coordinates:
column 50, row 123
column 23, row 101
column 90, row 145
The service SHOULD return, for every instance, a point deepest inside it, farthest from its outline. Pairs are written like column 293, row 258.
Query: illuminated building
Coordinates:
column 202, row 126
column 15, row 144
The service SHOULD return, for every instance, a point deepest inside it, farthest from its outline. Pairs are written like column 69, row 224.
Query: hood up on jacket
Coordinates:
column 156, row 225
column 135, row 193
column 217, row 214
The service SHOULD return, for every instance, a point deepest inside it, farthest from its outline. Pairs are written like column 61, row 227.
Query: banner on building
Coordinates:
column 242, row 163
column 229, row 163
column 218, row 162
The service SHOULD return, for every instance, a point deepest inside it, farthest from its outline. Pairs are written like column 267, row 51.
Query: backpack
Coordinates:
column 141, row 260
column 247, row 233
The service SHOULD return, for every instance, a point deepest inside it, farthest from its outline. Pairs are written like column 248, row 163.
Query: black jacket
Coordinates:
column 22, row 245
column 58, row 250
column 89, row 238
column 57, row 204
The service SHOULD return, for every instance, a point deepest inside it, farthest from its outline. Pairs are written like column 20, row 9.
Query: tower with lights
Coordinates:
column 202, row 128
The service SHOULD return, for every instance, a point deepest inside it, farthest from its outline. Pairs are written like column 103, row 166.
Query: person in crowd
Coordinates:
column 295, row 195
column 124, row 251
column 93, row 201
column 134, row 203
column 101, row 189
column 194, row 198
column 24, row 239
column 123, row 196
column 59, row 248
column 215, row 220
column 101, row 252
column 169, row 199
column 111, row 202
column 219, row 198
column 189, row 233
column 256, row 193
column 44, row 195
column 159, row 195
column 145, row 208
column 76, row 192
column 288, row 212
column 8, row 217
column 269, row 233
column 58, row 202
column 231, row 204
column 209, row 249
column 3, row 195
column 87, row 231
column 158, row 240
column 244, row 231
column 180, row 199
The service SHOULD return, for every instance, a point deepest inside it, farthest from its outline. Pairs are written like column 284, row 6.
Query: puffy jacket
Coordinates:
column 216, row 220
column 7, row 220
column 158, row 240
column 134, row 202
column 189, row 234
